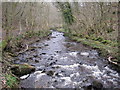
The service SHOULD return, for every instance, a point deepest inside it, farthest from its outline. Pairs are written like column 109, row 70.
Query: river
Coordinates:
column 62, row 63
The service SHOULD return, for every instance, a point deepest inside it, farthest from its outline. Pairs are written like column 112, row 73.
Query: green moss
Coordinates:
column 11, row 81
column 110, row 30
column 104, row 49
column 22, row 69
column 66, row 12
column 61, row 30
column 3, row 44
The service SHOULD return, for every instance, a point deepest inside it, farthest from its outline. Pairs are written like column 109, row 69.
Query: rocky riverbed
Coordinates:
column 61, row 63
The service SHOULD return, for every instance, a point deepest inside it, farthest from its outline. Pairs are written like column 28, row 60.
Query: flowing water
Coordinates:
column 61, row 63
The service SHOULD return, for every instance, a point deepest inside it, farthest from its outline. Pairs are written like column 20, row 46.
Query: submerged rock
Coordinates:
column 37, row 40
column 43, row 53
column 37, row 61
column 53, row 37
column 50, row 73
column 46, row 45
column 22, row 69
column 58, row 51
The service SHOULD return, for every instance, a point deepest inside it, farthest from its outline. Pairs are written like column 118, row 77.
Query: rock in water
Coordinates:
column 25, row 76
column 84, row 53
column 50, row 73
column 22, row 69
column 46, row 45
column 73, row 54
column 97, row 85
column 37, row 61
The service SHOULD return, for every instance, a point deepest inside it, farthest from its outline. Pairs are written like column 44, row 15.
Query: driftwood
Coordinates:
column 113, row 62
column 24, row 76
column 14, row 75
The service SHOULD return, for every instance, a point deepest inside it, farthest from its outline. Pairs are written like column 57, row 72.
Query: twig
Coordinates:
column 109, row 59
column 24, row 49
column 14, row 75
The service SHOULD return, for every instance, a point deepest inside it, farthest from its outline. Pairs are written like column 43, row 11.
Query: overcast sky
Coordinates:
column 59, row 0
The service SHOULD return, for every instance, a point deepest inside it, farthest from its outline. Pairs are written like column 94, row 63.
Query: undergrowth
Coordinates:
column 11, row 81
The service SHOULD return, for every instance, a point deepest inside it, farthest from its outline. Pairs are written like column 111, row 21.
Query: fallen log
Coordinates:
column 22, row 69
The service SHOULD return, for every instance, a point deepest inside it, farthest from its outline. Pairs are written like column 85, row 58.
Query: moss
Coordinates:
column 22, row 69
column 104, row 49
column 110, row 30
column 105, row 41
column 3, row 44
column 60, row 30
column 66, row 12
column 11, row 81
column 98, row 39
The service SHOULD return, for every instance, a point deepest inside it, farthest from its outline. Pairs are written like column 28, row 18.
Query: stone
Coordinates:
column 50, row 73
column 84, row 53
column 22, row 69
column 58, row 51
column 37, row 61
column 89, row 87
column 37, row 40
column 35, row 55
column 53, row 37
column 46, row 45
column 97, row 85
column 43, row 53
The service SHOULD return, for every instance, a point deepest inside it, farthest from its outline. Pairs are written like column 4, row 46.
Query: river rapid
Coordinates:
column 61, row 63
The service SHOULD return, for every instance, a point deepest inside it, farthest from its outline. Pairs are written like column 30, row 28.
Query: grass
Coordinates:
column 16, row 42
column 3, row 44
column 105, row 50
column 11, row 81
column 30, row 34
column 105, row 47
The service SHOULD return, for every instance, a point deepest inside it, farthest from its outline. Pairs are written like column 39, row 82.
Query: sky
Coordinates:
column 59, row 0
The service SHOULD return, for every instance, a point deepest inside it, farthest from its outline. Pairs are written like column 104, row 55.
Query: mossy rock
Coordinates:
column 22, row 69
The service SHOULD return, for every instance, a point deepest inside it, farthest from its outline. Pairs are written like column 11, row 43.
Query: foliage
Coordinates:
column 12, row 82
column 66, row 12
column 110, row 30
column 3, row 44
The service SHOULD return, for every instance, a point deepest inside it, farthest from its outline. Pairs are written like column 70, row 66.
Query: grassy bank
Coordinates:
column 17, row 42
column 11, row 81
column 106, row 48
column 9, row 50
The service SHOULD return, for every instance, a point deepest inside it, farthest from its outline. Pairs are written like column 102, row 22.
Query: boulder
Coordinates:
column 50, row 73
column 97, row 85
column 22, row 69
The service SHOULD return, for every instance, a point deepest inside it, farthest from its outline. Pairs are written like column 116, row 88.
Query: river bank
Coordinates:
column 105, row 50
column 17, row 45
column 50, row 58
